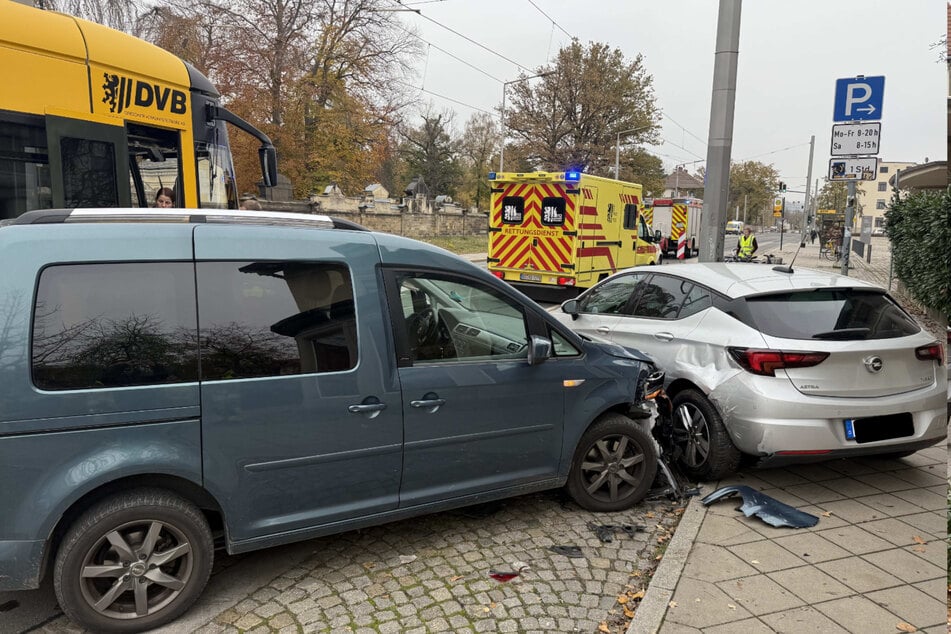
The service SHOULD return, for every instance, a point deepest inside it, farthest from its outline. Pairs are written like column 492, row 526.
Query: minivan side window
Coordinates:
column 455, row 319
column 114, row 325
column 259, row 319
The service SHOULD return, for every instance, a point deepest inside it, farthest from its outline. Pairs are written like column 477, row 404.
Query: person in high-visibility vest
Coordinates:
column 746, row 246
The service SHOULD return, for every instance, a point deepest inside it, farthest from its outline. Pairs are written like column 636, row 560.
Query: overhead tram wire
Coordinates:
column 791, row 147
column 455, row 57
column 436, row 94
column 469, row 39
column 704, row 141
column 551, row 19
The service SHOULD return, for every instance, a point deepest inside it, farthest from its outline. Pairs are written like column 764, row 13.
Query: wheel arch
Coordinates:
column 178, row 485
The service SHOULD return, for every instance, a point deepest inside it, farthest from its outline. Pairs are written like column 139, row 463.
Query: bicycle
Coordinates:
column 734, row 256
column 830, row 250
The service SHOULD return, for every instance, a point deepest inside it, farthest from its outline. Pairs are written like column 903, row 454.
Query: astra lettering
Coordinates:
column 119, row 91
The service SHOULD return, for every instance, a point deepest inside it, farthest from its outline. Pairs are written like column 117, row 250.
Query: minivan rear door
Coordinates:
column 301, row 409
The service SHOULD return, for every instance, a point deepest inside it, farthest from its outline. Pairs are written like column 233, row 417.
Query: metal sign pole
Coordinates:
column 847, row 229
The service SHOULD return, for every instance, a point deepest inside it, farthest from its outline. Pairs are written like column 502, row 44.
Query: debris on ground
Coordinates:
column 507, row 575
column 605, row 532
column 770, row 510
column 573, row 552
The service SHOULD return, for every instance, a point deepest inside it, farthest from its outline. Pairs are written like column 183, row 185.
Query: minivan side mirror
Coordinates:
column 539, row 349
column 570, row 307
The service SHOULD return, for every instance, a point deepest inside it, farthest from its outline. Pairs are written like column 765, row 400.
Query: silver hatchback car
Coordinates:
column 782, row 366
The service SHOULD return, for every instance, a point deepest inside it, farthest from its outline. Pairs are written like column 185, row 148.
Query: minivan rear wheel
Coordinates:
column 614, row 465
column 706, row 451
column 133, row 562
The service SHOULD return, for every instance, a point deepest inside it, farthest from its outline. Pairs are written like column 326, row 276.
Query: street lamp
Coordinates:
column 617, row 149
column 504, row 86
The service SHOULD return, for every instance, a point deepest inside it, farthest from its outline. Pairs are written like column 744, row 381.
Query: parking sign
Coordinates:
column 859, row 98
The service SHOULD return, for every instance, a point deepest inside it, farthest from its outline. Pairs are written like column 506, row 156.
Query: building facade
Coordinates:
column 874, row 195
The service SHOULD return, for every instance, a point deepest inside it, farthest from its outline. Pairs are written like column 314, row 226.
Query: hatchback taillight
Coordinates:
column 929, row 352
column 766, row 362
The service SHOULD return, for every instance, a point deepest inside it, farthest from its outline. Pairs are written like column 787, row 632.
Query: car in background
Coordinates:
column 779, row 365
column 878, row 231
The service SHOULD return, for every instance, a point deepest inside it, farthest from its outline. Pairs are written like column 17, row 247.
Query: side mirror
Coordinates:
column 539, row 349
column 657, row 235
column 268, row 157
column 570, row 307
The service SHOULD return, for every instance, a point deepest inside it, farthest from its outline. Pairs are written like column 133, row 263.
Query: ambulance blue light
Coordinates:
column 491, row 176
column 572, row 176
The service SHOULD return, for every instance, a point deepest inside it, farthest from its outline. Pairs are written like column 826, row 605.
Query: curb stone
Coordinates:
column 653, row 608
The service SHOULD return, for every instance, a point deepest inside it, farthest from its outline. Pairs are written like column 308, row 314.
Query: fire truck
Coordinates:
column 565, row 230
column 675, row 217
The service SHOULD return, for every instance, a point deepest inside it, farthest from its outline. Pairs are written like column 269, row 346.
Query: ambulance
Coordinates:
column 565, row 231
column 676, row 217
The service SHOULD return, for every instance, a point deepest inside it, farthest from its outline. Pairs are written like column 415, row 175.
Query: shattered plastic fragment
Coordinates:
column 605, row 532
column 768, row 509
column 568, row 551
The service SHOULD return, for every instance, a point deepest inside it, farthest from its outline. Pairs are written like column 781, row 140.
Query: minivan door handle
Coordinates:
column 603, row 330
column 663, row 336
column 373, row 409
column 430, row 402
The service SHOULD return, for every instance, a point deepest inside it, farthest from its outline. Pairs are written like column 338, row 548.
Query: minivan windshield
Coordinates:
column 830, row 314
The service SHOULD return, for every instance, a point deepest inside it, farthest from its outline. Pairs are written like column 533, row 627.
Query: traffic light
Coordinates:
column 782, row 187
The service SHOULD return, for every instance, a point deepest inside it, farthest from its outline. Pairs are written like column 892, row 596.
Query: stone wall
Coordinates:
column 413, row 218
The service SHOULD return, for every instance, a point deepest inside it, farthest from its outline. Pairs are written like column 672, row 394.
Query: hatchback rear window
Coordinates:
column 830, row 314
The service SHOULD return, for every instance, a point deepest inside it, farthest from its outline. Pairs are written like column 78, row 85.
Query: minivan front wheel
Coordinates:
column 706, row 450
column 614, row 465
column 133, row 562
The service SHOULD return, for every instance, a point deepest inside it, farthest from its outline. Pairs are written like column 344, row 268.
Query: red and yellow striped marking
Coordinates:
column 678, row 220
column 513, row 245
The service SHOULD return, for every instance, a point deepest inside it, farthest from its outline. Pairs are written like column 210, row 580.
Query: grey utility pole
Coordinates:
column 805, row 203
column 720, row 138
column 847, row 229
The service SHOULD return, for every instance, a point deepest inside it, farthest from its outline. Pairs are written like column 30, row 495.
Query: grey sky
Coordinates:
column 790, row 56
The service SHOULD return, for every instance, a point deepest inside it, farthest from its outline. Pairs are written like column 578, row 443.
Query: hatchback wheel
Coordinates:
column 707, row 453
column 133, row 562
column 614, row 465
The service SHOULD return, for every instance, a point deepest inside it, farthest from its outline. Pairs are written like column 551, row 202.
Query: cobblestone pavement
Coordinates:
column 431, row 574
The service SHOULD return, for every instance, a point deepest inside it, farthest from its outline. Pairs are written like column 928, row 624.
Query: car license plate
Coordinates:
column 874, row 428
column 530, row 277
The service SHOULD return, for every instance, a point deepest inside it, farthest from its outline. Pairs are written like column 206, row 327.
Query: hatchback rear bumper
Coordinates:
column 767, row 418
column 782, row 460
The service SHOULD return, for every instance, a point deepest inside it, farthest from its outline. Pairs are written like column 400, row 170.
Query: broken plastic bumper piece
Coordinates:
column 768, row 509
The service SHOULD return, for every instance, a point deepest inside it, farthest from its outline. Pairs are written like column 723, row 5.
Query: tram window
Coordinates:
column 24, row 168
column 154, row 163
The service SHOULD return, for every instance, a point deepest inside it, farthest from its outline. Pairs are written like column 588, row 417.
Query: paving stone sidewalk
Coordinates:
column 875, row 562
column 431, row 574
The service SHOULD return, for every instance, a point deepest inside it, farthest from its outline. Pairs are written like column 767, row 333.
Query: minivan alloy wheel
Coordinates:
column 614, row 465
column 136, row 569
column 133, row 561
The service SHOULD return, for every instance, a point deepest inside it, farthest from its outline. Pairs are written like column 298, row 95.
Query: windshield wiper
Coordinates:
column 843, row 333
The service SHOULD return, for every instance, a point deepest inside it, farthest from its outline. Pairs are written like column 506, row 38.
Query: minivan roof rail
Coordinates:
column 223, row 216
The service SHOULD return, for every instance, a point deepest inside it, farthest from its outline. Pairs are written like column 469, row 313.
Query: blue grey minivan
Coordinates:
column 174, row 381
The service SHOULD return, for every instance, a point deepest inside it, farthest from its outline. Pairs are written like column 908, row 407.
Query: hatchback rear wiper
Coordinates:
column 843, row 333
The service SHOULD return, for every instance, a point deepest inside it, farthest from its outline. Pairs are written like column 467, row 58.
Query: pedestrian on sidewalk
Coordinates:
column 812, row 236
